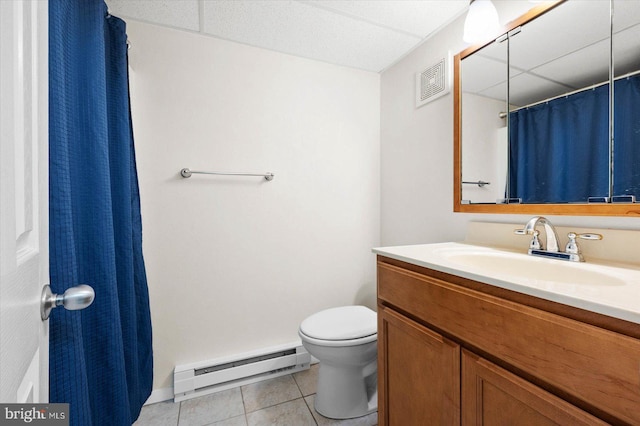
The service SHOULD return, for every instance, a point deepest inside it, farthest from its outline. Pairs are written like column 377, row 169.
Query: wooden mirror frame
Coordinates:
column 575, row 209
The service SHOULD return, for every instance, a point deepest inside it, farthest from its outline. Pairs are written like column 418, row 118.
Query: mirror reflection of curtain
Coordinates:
column 559, row 150
column 626, row 176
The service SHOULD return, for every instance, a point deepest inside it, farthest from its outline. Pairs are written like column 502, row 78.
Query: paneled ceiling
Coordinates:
column 565, row 50
column 364, row 34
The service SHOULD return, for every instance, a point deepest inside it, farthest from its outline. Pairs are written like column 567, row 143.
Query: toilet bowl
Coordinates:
column 344, row 340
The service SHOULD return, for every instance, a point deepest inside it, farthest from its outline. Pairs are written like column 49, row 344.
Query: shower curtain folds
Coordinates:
column 100, row 358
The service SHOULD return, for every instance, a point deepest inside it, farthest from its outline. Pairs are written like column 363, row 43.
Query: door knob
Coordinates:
column 75, row 298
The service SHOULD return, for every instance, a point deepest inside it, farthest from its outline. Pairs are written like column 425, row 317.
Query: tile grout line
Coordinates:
column 244, row 407
column 274, row 405
column 304, row 398
column 297, row 384
column 310, row 411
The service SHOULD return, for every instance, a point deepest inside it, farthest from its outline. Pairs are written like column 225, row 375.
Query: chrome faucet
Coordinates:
column 572, row 251
column 552, row 235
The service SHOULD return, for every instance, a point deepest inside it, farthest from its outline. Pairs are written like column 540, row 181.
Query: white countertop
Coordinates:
column 603, row 287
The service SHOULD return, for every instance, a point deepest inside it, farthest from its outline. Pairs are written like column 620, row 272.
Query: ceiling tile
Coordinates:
column 480, row 73
column 419, row 18
column 625, row 50
column 625, row 14
column 178, row 14
column 525, row 89
column 568, row 28
column 579, row 69
column 497, row 92
column 303, row 30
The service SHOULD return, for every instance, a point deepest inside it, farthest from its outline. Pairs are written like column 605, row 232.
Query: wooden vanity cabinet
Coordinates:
column 422, row 374
column 453, row 351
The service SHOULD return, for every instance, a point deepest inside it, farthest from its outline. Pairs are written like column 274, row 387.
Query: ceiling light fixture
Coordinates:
column 481, row 22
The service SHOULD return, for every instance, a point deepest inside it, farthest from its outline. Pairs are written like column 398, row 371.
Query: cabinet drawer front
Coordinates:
column 596, row 366
column 493, row 396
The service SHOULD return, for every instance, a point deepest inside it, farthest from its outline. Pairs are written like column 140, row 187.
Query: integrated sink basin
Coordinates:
column 511, row 265
column 602, row 287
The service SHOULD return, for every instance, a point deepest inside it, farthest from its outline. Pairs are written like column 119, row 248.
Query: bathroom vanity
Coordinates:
column 459, row 343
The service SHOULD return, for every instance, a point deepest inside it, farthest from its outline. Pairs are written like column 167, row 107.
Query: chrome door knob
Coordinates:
column 75, row 298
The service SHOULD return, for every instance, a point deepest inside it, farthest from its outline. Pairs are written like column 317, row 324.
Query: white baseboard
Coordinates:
column 159, row 395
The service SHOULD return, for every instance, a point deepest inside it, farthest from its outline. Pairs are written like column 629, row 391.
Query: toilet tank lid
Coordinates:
column 343, row 323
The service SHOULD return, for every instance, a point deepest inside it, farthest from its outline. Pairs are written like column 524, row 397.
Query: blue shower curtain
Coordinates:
column 626, row 129
column 101, row 357
column 559, row 150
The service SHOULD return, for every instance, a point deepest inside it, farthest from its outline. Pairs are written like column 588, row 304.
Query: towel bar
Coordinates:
column 186, row 173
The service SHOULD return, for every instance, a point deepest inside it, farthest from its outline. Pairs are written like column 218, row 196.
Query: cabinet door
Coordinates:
column 418, row 374
column 493, row 396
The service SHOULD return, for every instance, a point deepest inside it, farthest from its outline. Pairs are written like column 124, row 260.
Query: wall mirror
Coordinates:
column 537, row 128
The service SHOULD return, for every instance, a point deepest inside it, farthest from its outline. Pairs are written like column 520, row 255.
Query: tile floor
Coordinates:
column 283, row 401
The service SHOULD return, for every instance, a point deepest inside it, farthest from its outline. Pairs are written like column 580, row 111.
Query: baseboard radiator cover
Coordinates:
column 194, row 380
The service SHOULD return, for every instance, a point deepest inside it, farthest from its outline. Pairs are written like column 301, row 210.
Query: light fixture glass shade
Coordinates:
column 481, row 22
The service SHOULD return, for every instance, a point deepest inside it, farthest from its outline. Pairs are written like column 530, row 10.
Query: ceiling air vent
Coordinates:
column 433, row 81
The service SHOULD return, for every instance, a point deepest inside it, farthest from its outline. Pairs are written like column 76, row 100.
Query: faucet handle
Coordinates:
column 572, row 244
column 590, row 236
column 535, row 243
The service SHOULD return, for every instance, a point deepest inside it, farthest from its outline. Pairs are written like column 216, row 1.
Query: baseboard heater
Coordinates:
column 193, row 380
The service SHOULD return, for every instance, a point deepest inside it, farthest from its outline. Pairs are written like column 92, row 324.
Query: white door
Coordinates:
column 24, row 253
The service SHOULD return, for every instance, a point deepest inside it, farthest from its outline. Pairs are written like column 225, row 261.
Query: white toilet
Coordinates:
column 344, row 340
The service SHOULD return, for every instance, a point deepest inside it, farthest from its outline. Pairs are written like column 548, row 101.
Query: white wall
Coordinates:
column 417, row 152
column 485, row 148
column 235, row 264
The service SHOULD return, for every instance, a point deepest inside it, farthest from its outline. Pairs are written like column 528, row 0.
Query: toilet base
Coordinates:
column 345, row 393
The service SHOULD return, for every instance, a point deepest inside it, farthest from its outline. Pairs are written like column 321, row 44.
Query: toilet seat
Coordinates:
column 339, row 343
column 343, row 326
